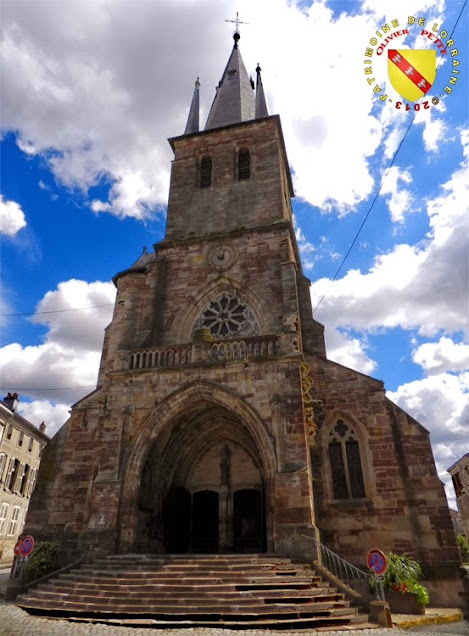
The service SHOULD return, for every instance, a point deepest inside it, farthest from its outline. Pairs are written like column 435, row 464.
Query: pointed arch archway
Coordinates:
column 168, row 447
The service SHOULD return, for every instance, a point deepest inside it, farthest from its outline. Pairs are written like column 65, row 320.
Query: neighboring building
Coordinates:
column 457, row 521
column 460, row 475
column 21, row 446
column 218, row 423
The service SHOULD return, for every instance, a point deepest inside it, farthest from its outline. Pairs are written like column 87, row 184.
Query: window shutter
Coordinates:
column 206, row 172
column 244, row 164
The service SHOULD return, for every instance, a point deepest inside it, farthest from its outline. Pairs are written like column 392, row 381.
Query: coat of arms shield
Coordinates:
column 411, row 71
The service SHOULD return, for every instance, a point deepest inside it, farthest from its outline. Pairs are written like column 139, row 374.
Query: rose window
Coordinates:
column 226, row 317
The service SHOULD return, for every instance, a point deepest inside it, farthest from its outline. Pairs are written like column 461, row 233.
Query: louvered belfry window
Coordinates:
column 206, row 172
column 244, row 164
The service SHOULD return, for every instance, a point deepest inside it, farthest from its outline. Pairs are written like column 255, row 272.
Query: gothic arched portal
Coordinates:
column 201, row 468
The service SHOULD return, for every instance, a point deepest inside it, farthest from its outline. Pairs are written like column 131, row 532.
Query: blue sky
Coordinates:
column 91, row 92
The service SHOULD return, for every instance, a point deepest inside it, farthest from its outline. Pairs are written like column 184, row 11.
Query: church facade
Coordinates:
column 218, row 423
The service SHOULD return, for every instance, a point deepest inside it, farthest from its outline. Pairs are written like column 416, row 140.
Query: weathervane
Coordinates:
column 237, row 22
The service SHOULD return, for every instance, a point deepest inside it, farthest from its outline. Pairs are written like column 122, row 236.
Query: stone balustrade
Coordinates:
column 177, row 356
column 258, row 347
column 161, row 357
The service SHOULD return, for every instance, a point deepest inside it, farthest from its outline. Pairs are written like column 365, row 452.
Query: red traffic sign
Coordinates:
column 376, row 561
column 16, row 549
column 26, row 545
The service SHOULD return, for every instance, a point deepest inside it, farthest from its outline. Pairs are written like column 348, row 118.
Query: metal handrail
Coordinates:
column 355, row 579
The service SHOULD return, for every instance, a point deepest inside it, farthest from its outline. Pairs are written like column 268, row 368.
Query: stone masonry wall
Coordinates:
column 228, row 204
column 405, row 508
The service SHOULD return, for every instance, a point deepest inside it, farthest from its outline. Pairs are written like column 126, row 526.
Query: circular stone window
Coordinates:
column 227, row 317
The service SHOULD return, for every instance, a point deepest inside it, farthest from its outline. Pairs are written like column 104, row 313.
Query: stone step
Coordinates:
column 123, row 607
column 145, row 590
column 194, row 590
column 198, row 567
column 258, row 557
column 205, row 574
column 191, row 563
column 187, row 582
column 190, row 600
column 316, row 623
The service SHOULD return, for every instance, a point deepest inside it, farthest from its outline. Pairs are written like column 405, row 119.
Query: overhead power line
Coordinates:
column 40, row 388
column 56, row 311
column 355, row 238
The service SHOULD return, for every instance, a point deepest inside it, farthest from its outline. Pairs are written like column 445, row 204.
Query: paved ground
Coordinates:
column 16, row 622
column 459, row 627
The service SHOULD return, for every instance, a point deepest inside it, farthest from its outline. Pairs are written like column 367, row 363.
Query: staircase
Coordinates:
column 232, row 591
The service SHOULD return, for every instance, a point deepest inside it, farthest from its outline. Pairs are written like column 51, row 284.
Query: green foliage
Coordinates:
column 463, row 546
column 420, row 592
column 402, row 574
column 400, row 569
column 41, row 561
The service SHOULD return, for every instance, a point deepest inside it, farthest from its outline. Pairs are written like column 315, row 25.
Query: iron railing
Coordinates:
column 362, row 583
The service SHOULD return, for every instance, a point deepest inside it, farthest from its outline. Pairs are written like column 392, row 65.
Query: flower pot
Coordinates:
column 403, row 602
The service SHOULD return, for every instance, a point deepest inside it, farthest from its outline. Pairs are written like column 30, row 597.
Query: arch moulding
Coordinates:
column 182, row 401
column 185, row 322
column 362, row 436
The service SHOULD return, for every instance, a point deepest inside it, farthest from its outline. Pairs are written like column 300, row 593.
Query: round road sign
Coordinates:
column 376, row 561
column 26, row 545
column 16, row 549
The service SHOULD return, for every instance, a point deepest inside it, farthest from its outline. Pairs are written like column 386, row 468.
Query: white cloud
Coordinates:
column 69, row 357
column 349, row 351
column 434, row 131
column 441, row 404
column 26, row 146
column 12, row 217
column 77, row 329
column 400, row 200
column 105, row 109
column 53, row 415
column 441, row 356
column 423, row 287
column 329, row 156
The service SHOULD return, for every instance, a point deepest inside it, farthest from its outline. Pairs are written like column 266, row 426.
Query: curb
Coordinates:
column 451, row 616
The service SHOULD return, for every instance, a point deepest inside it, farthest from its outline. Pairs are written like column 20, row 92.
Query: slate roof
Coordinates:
column 234, row 100
column 192, row 125
column 139, row 265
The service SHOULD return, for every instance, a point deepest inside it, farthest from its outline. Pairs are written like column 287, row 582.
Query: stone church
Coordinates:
column 218, row 423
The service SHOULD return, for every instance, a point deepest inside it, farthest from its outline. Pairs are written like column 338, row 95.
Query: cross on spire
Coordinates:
column 237, row 22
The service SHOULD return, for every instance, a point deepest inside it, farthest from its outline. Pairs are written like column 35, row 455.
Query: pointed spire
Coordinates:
column 234, row 100
column 192, row 125
column 261, row 104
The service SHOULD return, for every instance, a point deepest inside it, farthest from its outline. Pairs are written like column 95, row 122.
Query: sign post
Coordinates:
column 26, row 545
column 21, row 550
column 377, row 563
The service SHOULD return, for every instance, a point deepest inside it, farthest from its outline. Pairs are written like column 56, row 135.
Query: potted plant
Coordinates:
column 403, row 591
